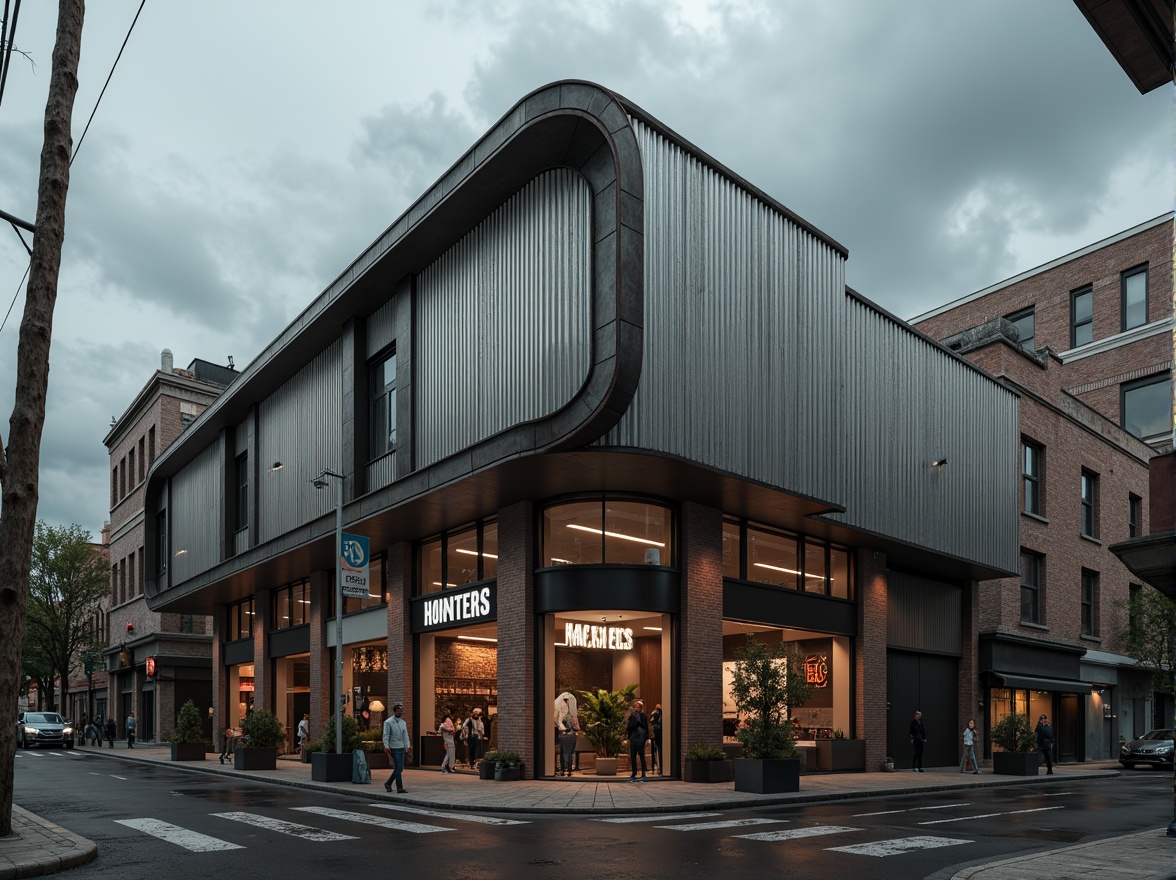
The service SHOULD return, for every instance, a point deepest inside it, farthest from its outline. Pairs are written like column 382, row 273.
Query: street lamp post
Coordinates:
column 320, row 482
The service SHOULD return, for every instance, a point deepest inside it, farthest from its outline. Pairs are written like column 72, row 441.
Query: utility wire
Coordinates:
column 11, row 38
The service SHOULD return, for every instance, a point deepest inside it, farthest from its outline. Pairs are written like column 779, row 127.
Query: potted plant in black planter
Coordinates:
column 372, row 742
column 602, row 718
column 309, row 748
column 840, row 753
column 766, row 682
column 1018, row 755
column 263, row 735
column 187, row 738
column 707, row 764
column 508, row 765
column 328, row 765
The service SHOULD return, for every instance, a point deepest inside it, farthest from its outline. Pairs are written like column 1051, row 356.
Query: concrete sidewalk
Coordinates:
column 1151, row 854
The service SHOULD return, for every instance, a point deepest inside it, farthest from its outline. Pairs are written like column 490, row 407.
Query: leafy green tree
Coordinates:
column 766, row 684
column 67, row 581
column 1150, row 634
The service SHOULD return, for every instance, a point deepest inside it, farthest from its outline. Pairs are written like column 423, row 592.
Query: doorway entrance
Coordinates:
column 1068, row 729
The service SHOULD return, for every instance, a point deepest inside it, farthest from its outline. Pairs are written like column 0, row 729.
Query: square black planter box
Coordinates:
column 767, row 777
column 1016, row 763
column 708, row 771
column 255, row 759
column 187, row 751
column 329, row 767
column 486, row 770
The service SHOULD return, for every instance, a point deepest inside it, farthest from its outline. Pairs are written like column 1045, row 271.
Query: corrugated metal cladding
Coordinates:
column 196, row 511
column 922, row 614
column 381, row 328
column 300, row 426
column 910, row 404
column 504, row 332
column 381, row 472
column 743, row 355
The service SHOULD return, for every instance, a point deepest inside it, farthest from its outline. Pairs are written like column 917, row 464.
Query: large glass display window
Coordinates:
column 467, row 555
column 608, row 529
column 458, row 674
column 765, row 555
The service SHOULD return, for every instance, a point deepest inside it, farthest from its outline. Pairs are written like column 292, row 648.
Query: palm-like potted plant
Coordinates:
column 602, row 718
column 187, row 737
column 263, row 736
column 1017, row 742
column 767, row 682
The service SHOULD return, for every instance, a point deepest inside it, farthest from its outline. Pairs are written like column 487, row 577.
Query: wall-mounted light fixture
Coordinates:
column 276, row 466
column 939, row 462
column 130, row 627
column 181, row 552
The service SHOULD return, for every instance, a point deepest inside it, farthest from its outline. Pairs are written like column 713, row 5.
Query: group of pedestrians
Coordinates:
column 93, row 732
column 971, row 738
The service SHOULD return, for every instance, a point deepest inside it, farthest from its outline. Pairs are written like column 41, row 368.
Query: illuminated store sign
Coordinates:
column 455, row 608
column 609, row 638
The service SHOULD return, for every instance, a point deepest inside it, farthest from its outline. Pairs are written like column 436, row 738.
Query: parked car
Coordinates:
column 1154, row 747
column 43, row 729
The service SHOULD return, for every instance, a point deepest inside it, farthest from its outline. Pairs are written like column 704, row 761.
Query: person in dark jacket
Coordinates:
column 656, row 759
column 111, row 731
column 637, row 731
column 1045, row 742
column 918, row 740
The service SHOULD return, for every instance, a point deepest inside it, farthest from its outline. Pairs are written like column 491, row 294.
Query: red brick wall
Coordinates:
column 701, row 644
column 870, row 659
column 401, row 672
column 321, row 671
column 516, row 633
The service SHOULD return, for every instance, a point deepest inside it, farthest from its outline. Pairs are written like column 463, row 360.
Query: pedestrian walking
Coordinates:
column 473, row 730
column 637, row 732
column 918, row 740
column 1045, row 742
column 970, row 737
column 448, row 733
column 111, row 732
column 303, row 731
column 656, row 760
column 396, row 747
column 131, row 731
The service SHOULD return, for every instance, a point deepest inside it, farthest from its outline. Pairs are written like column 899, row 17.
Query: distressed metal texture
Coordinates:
column 381, row 472
column 504, row 324
column 743, row 357
column 300, row 426
column 923, row 614
column 196, row 515
column 910, row 403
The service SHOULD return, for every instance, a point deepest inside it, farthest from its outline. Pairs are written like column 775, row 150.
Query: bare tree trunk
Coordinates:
column 18, row 502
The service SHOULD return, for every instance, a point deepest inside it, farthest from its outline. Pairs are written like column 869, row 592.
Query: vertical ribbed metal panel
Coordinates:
column 743, row 361
column 300, row 426
column 197, row 508
column 922, row 614
column 504, row 332
column 381, row 328
column 381, row 472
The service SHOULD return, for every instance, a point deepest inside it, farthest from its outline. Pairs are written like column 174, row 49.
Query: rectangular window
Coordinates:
column 1146, row 406
column 242, row 491
column 731, row 547
column 383, row 405
column 142, row 572
column 1089, row 603
column 151, row 445
column 122, row 581
column 122, row 478
column 114, row 486
column 815, row 567
column 773, row 558
column 186, row 623
column 1134, row 516
column 1089, row 504
column 292, row 605
column 1134, row 286
column 470, row 554
column 1081, row 317
column 1031, row 455
column 142, row 459
column 1031, row 566
column 161, row 542
column 239, row 621
column 131, row 465
column 1023, row 321
column 131, row 582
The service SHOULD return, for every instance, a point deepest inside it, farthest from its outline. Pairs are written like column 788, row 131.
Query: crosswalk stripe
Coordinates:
column 189, row 840
column 123, row 778
column 883, row 848
column 729, row 823
column 392, row 824
column 990, row 815
column 305, row 832
column 443, row 814
column 797, row 833
column 656, row 818
column 911, row 810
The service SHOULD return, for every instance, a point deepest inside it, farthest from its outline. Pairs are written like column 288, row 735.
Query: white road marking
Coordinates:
column 442, row 814
column 95, row 773
column 730, row 823
column 1063, row 793
column 123, row 778
column 797, row 833
column 392, row 824
column 989, row 815
column 189, row 840
column 910, row 810
column 897, row 847
column 305, row 832
column 665, row 817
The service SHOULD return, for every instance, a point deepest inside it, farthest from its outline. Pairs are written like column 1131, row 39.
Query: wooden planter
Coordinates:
column 606, row 766
column 708, row 771
column 253, row 758
column 187, row 751
column 767, row 776
column 329, row 767
column 841, row 754
column 1016, row 763
column 509, row 774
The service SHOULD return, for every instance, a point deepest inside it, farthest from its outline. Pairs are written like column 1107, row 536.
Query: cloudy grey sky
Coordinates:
column 245, row 153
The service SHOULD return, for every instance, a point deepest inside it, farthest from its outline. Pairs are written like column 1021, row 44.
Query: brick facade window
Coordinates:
column 1032, row 457
column 1133, row 283
column 1134, row 515
column 151, row 446
column 1089, row 602
column 1146, row 406
column 1024, row 322
column 131, row 466
column 1032, row 586
column 1081, row 316
column 1089, row 504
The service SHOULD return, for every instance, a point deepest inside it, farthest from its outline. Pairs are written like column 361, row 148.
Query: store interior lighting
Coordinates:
column 636, row 540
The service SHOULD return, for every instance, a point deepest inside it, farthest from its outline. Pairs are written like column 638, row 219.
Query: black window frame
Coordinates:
column 241, row 465
column 1027, row 344
column 807, row 546
column 1134, row 515
column 239, row 619
column 1088, row 290
column 161, row 543
column 1089, row 603
column 1124, row 276
column 1032, row 479
column 296, row 593
column 1032, row 587
column 380, row 443
column 1088, row 489
column 481, row 575
column 1163, row 378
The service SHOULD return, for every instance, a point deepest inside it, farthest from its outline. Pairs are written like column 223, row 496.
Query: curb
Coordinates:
column 1053, row 854
column 42, row 860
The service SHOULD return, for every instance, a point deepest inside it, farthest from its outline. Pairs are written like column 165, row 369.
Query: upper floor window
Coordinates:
column 142, row 459
column 131, row 465
column 462, row 556
column 1031, row 587
column 292, row 605
column 1023, row 321
column 239, row 620
column 1031, row 457
column 1146, row 406
column 383, row 405
column 1134, row 516
column 796, row 562
column 242, row 484
column 1134, row 286
column 1081, row 317
column 161, row 542
column 1089, row 603
column 1089, row 504
column 608, row 529
column 151, row 445
column 114, row 486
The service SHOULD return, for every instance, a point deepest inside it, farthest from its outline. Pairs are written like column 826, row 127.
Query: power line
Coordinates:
column 10, row 38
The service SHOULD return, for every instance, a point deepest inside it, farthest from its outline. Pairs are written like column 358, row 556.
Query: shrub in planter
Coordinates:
column 1018, row 755
column 263, row 736
column 187, row 737
column 309, row 748
column 707, row 764
column 351, row 739
column 506, row 765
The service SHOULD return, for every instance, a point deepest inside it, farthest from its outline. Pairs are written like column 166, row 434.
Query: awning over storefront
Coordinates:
column 1065, row 685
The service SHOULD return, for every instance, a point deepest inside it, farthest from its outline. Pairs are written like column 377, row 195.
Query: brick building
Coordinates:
column 85, row 695
column 179, row 645
column 1086, row 342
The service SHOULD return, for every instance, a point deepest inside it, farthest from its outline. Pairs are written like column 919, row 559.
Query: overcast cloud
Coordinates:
column 245, row 153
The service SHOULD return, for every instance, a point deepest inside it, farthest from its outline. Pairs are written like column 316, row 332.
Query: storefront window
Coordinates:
column 292, row 605
column 1006, row 701
column 239, row 621
column 772, row 558
column 794, row 562
column 240, row 687
column 376, row 590
column 465, row 556
column 731, row 545
column 616, row 531
column 459, row 673
column 462, row 557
